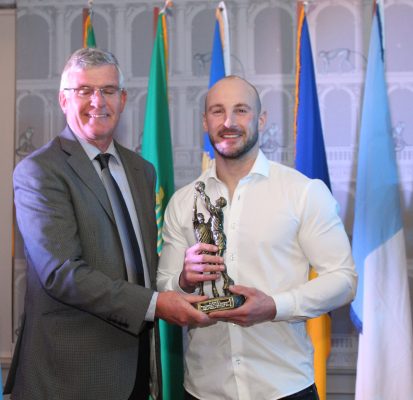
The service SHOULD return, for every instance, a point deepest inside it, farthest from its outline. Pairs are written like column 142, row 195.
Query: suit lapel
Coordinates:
column 134, row 169
column 84, row 168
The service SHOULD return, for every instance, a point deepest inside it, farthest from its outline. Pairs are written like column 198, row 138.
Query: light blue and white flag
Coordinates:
column 381, row 309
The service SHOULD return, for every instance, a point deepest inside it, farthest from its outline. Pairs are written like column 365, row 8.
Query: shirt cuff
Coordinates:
column 285, row 304
column 150, row 313
column 177, row 288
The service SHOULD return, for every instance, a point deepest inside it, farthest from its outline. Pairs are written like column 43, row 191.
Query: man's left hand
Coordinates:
column 258, row 307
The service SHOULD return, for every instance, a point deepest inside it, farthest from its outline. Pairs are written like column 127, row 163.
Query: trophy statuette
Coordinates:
column 212, row 232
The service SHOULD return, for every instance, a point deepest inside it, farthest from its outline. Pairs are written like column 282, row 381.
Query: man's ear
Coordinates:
column 123, row 99
column 204, row 123
column 262, row 120
column 63, row 101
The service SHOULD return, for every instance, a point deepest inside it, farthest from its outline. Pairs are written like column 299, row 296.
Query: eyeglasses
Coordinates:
column 86, row 92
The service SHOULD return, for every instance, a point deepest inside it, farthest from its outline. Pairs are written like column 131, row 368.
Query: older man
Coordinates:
column 85, row 208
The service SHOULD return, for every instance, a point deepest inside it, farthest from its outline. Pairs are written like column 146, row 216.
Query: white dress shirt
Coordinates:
column 277, row 223
column 118, row 172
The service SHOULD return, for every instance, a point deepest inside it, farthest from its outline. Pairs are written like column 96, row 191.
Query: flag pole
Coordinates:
column 168, row 4
column 222, row 16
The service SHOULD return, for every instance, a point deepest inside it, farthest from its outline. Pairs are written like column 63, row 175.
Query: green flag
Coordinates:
column 157, row 148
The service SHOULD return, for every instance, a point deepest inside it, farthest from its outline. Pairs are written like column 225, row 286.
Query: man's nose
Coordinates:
column 229, row 120
column 97, row 97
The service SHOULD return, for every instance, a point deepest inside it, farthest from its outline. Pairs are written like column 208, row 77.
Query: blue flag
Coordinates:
column 381, row 309
column 220, row 67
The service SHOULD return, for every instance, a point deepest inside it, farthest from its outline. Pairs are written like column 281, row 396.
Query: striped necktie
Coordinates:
column 130, row 246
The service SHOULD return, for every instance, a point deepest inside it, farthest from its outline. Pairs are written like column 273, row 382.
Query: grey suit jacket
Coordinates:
column 80, row 336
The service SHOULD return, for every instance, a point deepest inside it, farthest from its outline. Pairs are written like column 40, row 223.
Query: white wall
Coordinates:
column 7, row 118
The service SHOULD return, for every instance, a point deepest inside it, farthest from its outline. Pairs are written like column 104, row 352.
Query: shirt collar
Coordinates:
column 93, row 151
column 261, row 167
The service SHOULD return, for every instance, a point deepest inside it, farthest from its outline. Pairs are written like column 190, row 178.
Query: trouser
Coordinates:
column 141, row 388
column 309, row 393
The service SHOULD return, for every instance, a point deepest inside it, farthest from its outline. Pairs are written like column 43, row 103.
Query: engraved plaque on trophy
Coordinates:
column 212, row 231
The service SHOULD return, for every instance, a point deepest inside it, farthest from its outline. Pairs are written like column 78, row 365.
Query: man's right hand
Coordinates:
column 197, row 262
column 177, row 309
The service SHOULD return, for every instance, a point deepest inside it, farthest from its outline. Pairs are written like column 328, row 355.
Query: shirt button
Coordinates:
column 238, row 361
column 233, row 225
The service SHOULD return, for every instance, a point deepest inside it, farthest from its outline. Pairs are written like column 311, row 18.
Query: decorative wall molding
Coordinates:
column 340, row 61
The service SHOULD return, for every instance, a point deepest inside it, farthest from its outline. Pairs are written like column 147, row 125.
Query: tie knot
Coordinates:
column 103, row 159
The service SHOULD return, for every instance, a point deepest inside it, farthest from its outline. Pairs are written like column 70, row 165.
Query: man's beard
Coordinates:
column 237, row 153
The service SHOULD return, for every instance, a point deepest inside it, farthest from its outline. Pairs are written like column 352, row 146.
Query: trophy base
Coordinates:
column 220, row 303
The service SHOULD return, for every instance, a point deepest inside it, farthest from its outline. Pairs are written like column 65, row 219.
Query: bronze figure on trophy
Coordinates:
column 212, row 232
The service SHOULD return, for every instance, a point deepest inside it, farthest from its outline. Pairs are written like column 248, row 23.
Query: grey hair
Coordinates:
column 87, row 58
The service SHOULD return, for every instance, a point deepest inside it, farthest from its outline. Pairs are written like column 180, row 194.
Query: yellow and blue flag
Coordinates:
column 310, row 159
column 220, row 67
column 381, row 310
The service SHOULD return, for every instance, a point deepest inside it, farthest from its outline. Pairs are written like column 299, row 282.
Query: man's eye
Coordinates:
column 216, row 112
column 85, row 91
column 241, row 110
column 109, row 90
